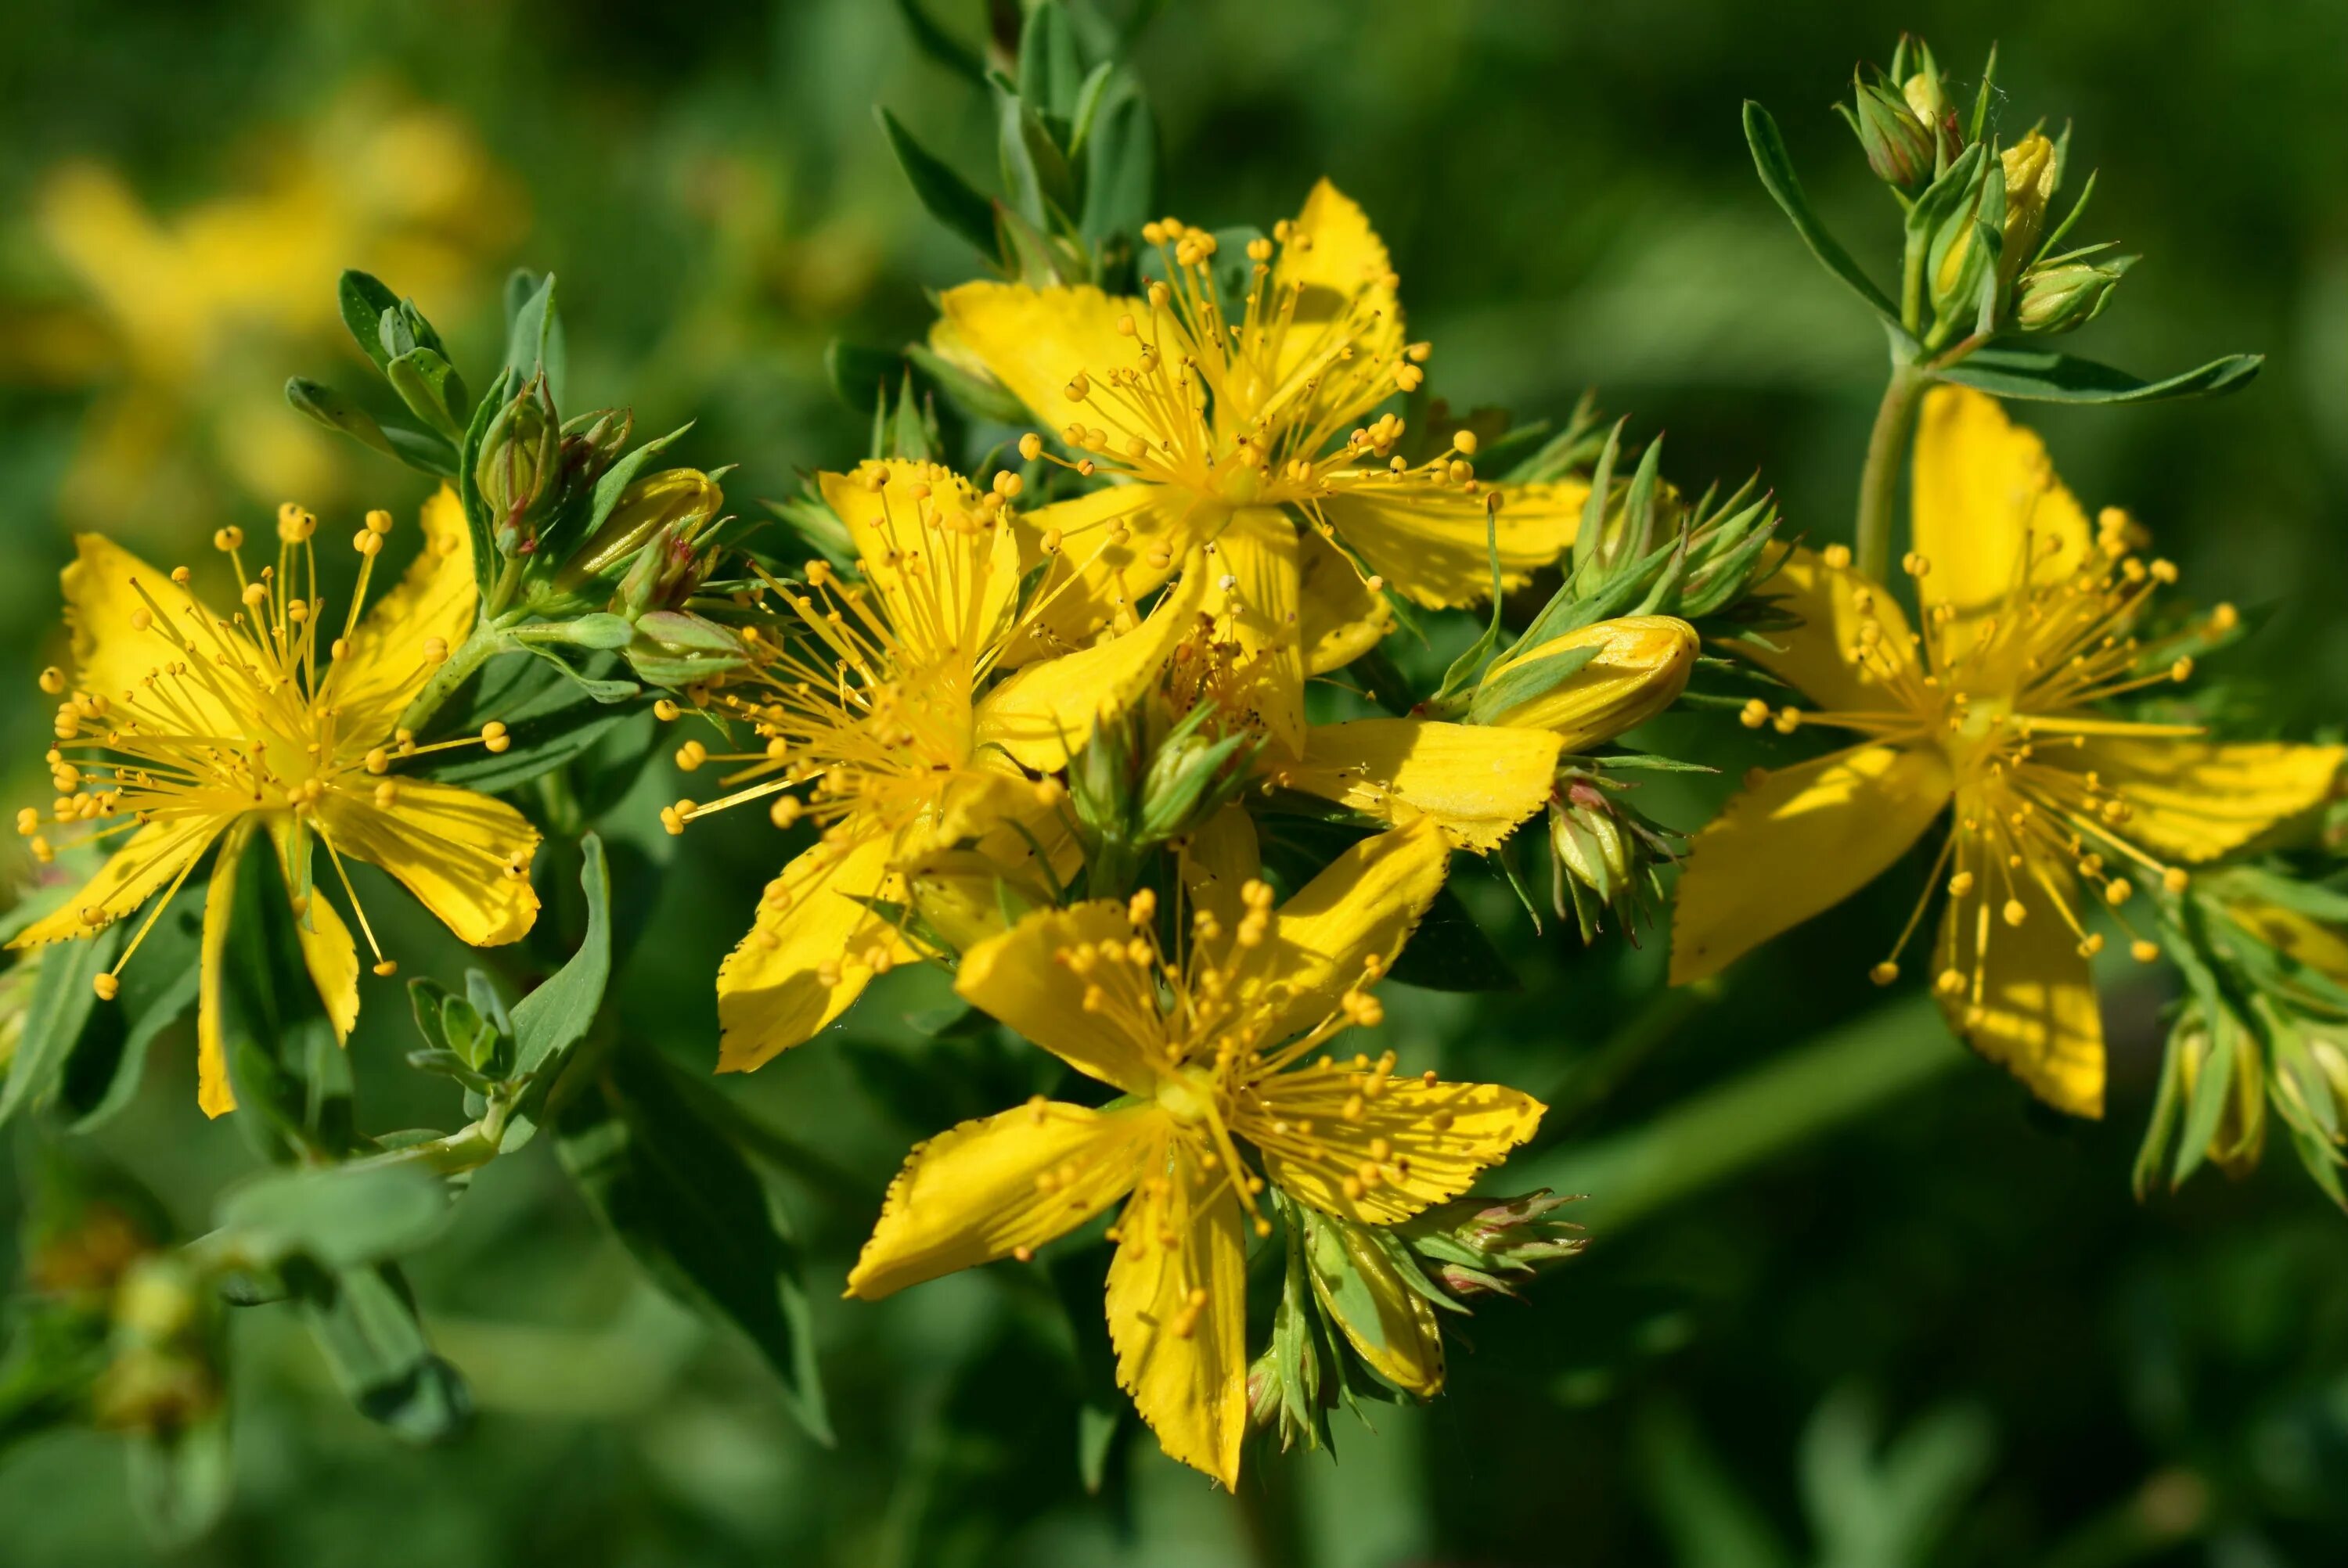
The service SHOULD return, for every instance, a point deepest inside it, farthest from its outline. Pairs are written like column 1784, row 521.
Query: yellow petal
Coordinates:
column 2028, row 1003
column 947, row 573
column 1374, row 1148
column 989, row 1188
column 107, row 590
column 146, row 862
column 1430, row 540
column 1252, row 579
column 1046, row 711
column 1018, row 978
column 2196, row 800
column 1831, row 658
column 327, row 950
column 771, row 991
column 1799, row 842
column 383, row 665
column 1178, row 1311
column 465, row 855
column 1363, row 905
column 1097, row 584
column 1341, row 274
column 1987, row 508
column 1338, row 619
column 2300, row 937
column 1477, row 782
column 1035, row 341
column 1217, row 860
column 214, row 1096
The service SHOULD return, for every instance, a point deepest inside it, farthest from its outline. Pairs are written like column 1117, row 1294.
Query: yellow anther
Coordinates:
column 386, row 795
column 2116, row 891
column 1753, row 714
column 1008, row 485
column 2182, row 670
column 2093, row 945
column 386, row 968
column 1884, row 973
column 141, row 619
column 1915, row 565
column 494, row 737
column 2015, row 912
column 787, row 809
column 1950, row 983
column 691, row 755
column 1838, row 557
column 2143, row 951
column 666, row 711
column 1960, row 884
column 1789, row 720
column 1463, row 442
column 379, row 521
column 436, row 650
column 53, row 681
column 2224, row 619
column 1031, row 445
column 108, row 987
column 1079, row 387
column 2173, row 878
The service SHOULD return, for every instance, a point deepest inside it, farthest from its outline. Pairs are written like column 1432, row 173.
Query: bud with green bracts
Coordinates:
column 1963, row 216
column 520, row 465
column 1590, row 685
column 1488, row 1246
column 675, row 648
column 1606, row 855
column 2070, row 294
column 1899, row 146
column 1145, row 779
column 679, row 502
column 2214, row 1056
column 1925, row 91
column 1368, row 1283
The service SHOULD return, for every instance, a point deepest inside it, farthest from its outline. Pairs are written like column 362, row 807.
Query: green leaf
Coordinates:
column 338, row 1217
column 858, row 374
column 54, row 1016
column 1785, row 188
column 1050, row 74
column 364, row 1323
column 1120, row 168
column 692, row 1210
column 1036, row 173
column 103, row 1071
column 181, row 1481
column 982, row 398
column 432, row 390
column 2043, row 376
column 330, row 408
column 1449, row 952
column 943, row 194
column 552, row 713
column 479, row 523
column 556, row 1016
column 365, row 302
column 534, row 338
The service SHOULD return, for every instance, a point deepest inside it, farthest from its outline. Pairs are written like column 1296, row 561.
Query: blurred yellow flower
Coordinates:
column 1220, row 423
column 1205, row 1047
column 187, row 317
column 868, row 695
column 1991, row 711
column 183, row 728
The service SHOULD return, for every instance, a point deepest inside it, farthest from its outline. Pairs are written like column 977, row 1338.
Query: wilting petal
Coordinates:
column 1252, row 582
column 106, row 592
column 145, row 864
column 2027, row 1001
column 991, row 1188
column 463, row 854
column 383, row 665
column 1477, row 782
column 1020, row 978
column 1990, row 516
column 1177, row 1310
column 1376, row 1149
column 1361, row 908
column 1035, row 341
column 1800, row 841
column 327, row 950
column 1338, row 619
column 2195, row 800
column 1430, row 540
column 947, row 574
column 1046, row 711
column 772, row 992
column 1831, row 658
column 1097, row 584
column 1344, row 282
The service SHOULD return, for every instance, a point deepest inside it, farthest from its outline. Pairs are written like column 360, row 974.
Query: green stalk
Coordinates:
column 1879, row 481
column 488, row 640
column 1775, row 1108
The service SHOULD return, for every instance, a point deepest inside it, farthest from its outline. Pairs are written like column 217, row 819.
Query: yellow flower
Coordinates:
column 183, row 308
column 867, row 698
column 1205, row 1050
column 1476, row 783
column 1991, row 714
column 1222, row 418
column 183, row 728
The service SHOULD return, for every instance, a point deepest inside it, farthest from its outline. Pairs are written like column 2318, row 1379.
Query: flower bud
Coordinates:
column 673, row 648
column 1357, row 1277
column 683, row 500
column 2240, row 1134
column 1928, row 101
column 2031, row 168
column 1591, row 684
column 1486, row 1246
column 2058, row 299
column 520, row 460
column 1899, row 145
column 1961, row 263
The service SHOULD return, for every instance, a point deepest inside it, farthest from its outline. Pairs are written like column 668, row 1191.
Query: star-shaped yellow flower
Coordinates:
column 1990, row 713
column 184, row 728
column 1210, row 1053
column 873, row 701
column 1224, row 419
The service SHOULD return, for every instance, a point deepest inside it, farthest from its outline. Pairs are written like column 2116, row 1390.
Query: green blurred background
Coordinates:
column 1938, row 1331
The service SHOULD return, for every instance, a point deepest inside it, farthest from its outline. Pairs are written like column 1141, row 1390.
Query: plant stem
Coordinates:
column 1772, row 1109
column 1879, row 481
column 488, row 638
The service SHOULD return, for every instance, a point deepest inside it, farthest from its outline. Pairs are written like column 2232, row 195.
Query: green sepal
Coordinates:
column 1785, row 188
column 2029, row 374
